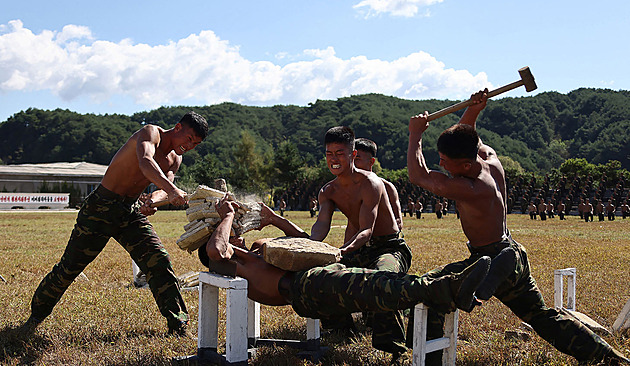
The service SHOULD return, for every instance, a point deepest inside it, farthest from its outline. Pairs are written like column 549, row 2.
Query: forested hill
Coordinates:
column 539, row 132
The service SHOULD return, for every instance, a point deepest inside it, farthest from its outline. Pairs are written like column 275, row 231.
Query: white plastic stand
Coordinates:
column 448, row 343
column 242, row 323
column 623, row 320
column 558, row 297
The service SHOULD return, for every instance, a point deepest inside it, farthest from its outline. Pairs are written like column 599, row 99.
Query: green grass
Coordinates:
column 104, row 321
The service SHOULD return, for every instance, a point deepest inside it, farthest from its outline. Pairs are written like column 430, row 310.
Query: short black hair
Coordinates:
column 196, row 122
column 459, row 141
column 366, row 145
column 340, row 134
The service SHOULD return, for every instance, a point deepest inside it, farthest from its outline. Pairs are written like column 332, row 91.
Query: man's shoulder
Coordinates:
column 328, row 187
column 150, row 129
column 388, row 184
column 147, row 133
column 371, row 183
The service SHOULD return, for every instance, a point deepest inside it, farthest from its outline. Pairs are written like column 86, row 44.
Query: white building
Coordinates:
column 30, row 178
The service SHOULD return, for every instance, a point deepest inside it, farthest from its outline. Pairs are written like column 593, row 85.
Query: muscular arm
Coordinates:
column 268, row 217
column 148, row 140
column 219, row 246
column 321, row 227
column 350, row 232
column 457, row 188
column 419, row 172
column 160, row 194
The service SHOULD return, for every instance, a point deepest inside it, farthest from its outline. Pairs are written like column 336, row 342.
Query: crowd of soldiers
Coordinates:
column 583, row 196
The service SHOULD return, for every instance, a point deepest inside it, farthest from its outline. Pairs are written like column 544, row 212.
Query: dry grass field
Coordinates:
column 103, row 320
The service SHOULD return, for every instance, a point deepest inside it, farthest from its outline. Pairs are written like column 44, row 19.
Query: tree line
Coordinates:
column 258, row 148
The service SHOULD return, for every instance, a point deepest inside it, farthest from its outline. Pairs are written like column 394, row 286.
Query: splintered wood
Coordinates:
column 203, row 217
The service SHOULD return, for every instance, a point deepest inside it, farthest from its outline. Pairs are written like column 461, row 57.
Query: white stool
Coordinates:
column 623, row 320
column 448, row 343
column 558, row 295
column 242, row 322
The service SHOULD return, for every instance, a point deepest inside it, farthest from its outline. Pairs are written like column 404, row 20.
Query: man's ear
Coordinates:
column 178, row 127
column 372, row 161
column 354, row 154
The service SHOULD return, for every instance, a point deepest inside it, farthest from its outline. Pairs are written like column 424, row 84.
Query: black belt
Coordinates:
column 107, row 194
column 383, row 239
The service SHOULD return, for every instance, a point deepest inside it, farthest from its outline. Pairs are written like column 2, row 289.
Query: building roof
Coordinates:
column 82, row 169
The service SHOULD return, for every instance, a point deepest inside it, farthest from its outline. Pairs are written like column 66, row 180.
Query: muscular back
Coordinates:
column 124, row 176
column 483, row 215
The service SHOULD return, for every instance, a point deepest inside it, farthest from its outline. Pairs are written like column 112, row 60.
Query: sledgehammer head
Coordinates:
column 527, row 78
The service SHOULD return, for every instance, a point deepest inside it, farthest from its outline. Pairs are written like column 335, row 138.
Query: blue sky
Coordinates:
column 130, row 56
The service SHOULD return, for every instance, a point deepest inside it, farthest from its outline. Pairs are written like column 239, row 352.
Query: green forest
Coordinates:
column 273, row 146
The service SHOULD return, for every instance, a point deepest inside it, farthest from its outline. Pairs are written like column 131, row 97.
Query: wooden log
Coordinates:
column 192, row 240
column 203, row 191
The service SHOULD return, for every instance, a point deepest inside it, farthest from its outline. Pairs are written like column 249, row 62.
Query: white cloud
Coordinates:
column 403, row 8
column 204, row 68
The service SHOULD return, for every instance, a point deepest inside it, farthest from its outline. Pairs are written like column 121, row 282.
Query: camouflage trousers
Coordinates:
column 520, row 294
column 105, row 215
column 323, row 292
column 383, row 254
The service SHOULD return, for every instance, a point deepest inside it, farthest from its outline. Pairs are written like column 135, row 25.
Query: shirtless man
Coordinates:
column 542, row 210
column 587, row 210
column 625, row 210
column 560, row 208
column 419, row 208
column 581, row 208
column 532, row 211
column 477, row 184
column 282, row 206
column 438, row 208
column 365, row 159
column 610, row 210
column 373, row 240
column 599, row 210
column 323, row 292
column 112, row 210
column 312, row 206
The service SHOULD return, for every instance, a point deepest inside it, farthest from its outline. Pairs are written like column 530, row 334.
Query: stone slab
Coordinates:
column 298, row 254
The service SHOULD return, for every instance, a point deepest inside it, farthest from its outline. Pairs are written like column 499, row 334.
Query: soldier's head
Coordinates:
column 458, row 146
column 196, row 122
column 340, row 151
column 188, row 132
column 366, row 153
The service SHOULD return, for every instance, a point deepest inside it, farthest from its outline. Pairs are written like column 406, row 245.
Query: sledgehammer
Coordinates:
column 527, row 79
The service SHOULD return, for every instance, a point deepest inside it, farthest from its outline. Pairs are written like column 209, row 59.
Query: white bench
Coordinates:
column 623, row 320
column 448, row 342
column 243, row 326
column 558, row 295
column 242, row 323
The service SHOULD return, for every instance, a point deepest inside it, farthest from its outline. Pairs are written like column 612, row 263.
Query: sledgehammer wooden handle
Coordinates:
column 527, row 79
column 160, row 203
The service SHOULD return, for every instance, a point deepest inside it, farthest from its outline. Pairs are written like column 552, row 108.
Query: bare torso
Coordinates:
column 124, row 177
column 483, row 217
column 349, row 197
